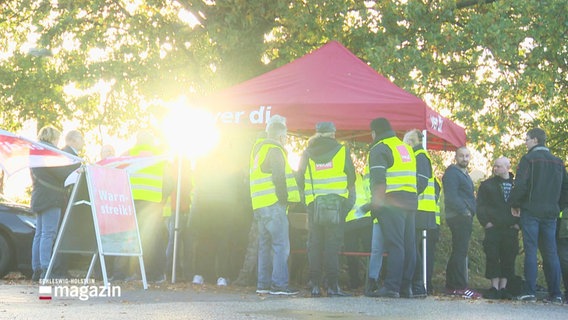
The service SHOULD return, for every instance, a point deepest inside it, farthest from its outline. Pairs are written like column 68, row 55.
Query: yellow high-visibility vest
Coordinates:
column 427, row 199
column 401, row 176
column 363, row 197
column 262, row 189
column 326, row 178
column 146, row 183
column 438, row 208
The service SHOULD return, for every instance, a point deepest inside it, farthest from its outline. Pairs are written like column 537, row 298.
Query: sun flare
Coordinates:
column 190, row 132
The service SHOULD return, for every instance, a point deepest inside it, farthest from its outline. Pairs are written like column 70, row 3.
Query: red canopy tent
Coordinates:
column 332, row 84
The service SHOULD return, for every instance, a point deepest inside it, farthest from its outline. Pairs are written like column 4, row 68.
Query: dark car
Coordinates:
column 17, row 229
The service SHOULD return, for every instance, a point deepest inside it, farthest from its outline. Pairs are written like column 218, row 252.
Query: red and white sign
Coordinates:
column 404, row 154
column 18, row 153
column 112, row 200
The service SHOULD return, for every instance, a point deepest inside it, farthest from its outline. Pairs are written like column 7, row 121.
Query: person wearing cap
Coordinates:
column 272, row 186
column 326, row 168
column 392, row 169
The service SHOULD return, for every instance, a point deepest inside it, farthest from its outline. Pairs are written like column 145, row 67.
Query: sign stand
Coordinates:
column 100, row 220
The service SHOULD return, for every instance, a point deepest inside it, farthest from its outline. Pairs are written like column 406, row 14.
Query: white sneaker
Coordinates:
column 221, row 282
column 197, row 279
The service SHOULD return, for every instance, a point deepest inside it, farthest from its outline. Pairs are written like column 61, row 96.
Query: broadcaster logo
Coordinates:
column 81, row 292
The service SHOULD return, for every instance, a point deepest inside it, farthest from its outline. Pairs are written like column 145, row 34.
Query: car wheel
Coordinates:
column 5, row 256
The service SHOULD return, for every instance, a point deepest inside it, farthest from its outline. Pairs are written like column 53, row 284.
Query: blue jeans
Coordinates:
column 273, row 246
column 46, row 230
column 541, row 233
column 377, row 250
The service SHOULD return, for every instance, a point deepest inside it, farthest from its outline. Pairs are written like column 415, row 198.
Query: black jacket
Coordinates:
column 541, row 184
column 47, row 186
column 459, row 198
column 491, row 204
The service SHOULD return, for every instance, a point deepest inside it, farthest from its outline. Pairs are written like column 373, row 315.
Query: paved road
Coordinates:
column 20, row 300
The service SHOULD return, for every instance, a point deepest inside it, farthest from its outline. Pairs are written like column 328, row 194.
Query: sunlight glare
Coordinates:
column 189, row 131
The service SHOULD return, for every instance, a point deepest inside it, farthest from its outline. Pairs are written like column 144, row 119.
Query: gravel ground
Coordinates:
column 19, row 299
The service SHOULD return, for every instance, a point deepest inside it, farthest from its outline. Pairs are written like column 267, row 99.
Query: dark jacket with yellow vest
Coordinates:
column 147, row 183
column 427, row 205
column 271, row 177
column 332, row 171
column 396, row 170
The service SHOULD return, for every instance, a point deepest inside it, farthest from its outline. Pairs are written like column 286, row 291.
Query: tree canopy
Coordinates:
column 495, row 67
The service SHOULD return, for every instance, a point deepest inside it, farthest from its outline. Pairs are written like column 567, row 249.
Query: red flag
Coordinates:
column 17, row 153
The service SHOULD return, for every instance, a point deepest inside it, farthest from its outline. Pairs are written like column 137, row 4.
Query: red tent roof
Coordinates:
column 332, row 84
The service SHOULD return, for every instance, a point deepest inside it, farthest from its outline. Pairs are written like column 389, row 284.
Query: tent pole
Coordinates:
column 176, row 224
column 424, row 233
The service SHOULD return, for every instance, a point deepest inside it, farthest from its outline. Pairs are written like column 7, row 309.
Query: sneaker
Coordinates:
column 526, row 298
column 262, row 291
column 197, row 279
column 492, row 294
column 385, row 293
column 554, row 300
column 283, row 291
column 465, row 293
column 221, row 282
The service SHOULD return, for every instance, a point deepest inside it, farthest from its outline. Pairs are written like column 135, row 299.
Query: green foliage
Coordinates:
column 495, row 67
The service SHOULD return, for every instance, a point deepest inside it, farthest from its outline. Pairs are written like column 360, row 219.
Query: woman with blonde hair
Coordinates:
column 48, row 194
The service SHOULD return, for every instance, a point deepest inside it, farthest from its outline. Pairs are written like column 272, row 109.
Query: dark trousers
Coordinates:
column 432, row 236
column 562, row 247
column 247, row 274
column 213, row 230
column 398, row 228
column 153, row 236
column 501, row 246
column 456, row 270
column 324, row 244
column 357, row 238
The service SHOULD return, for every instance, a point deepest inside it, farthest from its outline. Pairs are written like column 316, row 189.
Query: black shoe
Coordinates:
column 316, row 291
column 406, row 292
column 385, row 293
column 505, row 295
column 419, row 292
column 493, row 294
column 337, row 293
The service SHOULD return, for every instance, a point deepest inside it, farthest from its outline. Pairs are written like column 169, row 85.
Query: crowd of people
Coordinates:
column 391, row 211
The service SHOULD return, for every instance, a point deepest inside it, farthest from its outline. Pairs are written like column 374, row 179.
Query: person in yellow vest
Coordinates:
column 147, row 184
column 392, row 169
column 272, row 187
column 426, row 214
column 326, row 168
column 358, row 231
